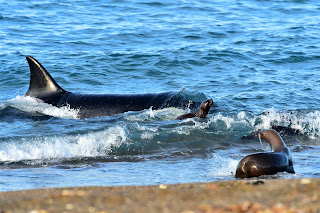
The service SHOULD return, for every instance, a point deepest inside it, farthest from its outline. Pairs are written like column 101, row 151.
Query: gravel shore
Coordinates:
column 288, row 195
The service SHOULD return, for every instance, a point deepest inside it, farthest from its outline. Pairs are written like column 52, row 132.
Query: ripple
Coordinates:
column 258, row 61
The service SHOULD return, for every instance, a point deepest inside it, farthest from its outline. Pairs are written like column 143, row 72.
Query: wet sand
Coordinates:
column 293, row 195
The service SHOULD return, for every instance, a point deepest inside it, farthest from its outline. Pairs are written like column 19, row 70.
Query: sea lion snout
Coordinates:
column 259, row 133
column 210, row 102
column 207, row 103
column 263, row 134
column 204, row 108
column 270, row 135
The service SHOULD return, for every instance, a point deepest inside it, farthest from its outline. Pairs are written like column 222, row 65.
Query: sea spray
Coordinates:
column 34, row 106
column 61, row 147
column 222, row 166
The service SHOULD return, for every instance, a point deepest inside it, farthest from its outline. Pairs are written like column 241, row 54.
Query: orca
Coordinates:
column 44, row 87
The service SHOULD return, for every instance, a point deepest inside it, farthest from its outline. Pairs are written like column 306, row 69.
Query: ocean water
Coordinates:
column 258, row 60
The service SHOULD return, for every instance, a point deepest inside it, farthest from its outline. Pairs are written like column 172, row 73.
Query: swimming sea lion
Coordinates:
column 202, row 112
column 279, row 160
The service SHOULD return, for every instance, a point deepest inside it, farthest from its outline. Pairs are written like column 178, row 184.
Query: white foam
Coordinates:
column 161, row 114
column 147, row 135
column 234, row 124
column 88, row 145
column 197, row 124
column 34, row 106
column 308, row 123
column 148, row 132
column 151, row 112
column 223, row 166
column 2, row 106
column 228, row 121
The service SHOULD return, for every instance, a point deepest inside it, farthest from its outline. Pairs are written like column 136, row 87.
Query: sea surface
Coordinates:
column 258, row 60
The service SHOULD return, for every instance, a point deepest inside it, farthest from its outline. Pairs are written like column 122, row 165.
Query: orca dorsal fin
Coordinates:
column 41, row 82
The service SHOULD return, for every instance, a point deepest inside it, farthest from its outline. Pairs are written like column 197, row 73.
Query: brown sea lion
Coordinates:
column 201, row 112
column 279, row 160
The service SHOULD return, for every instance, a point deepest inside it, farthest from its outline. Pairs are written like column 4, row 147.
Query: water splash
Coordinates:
column 35, row 106
column 223, row 166
column 60, row 147
column 307, row 123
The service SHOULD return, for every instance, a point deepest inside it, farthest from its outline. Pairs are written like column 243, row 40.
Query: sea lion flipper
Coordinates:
column 290, row 168
column 185, row 116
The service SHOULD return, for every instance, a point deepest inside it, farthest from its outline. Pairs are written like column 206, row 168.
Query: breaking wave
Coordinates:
column 60, row 147
column 306, row 122
column 144, row 134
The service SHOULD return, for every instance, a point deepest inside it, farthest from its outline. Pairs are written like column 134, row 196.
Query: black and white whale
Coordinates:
column 43, row 87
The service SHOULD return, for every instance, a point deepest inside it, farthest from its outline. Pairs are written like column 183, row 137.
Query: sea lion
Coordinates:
column 43, row 87
column 202, row 112
column 279, row 160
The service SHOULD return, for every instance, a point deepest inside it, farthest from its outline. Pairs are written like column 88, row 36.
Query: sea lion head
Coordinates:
column 273, row 138
column 204, row 108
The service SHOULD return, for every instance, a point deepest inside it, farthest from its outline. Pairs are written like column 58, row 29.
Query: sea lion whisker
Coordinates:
column 259, row 136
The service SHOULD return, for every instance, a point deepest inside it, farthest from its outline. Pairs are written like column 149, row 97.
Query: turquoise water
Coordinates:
column 258, row 60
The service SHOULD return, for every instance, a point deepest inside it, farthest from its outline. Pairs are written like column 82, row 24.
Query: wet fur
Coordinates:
column 202, row 112
column 279, row 160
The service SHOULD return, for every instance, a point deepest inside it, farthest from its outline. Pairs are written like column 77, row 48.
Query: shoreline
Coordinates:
column 258, row 195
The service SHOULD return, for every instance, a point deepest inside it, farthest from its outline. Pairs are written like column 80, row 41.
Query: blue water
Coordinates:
column 258, row 60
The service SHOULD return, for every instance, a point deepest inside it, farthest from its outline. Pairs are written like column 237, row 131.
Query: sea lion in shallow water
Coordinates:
column 279, row 160
column 202, row 112
column 44, row 87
